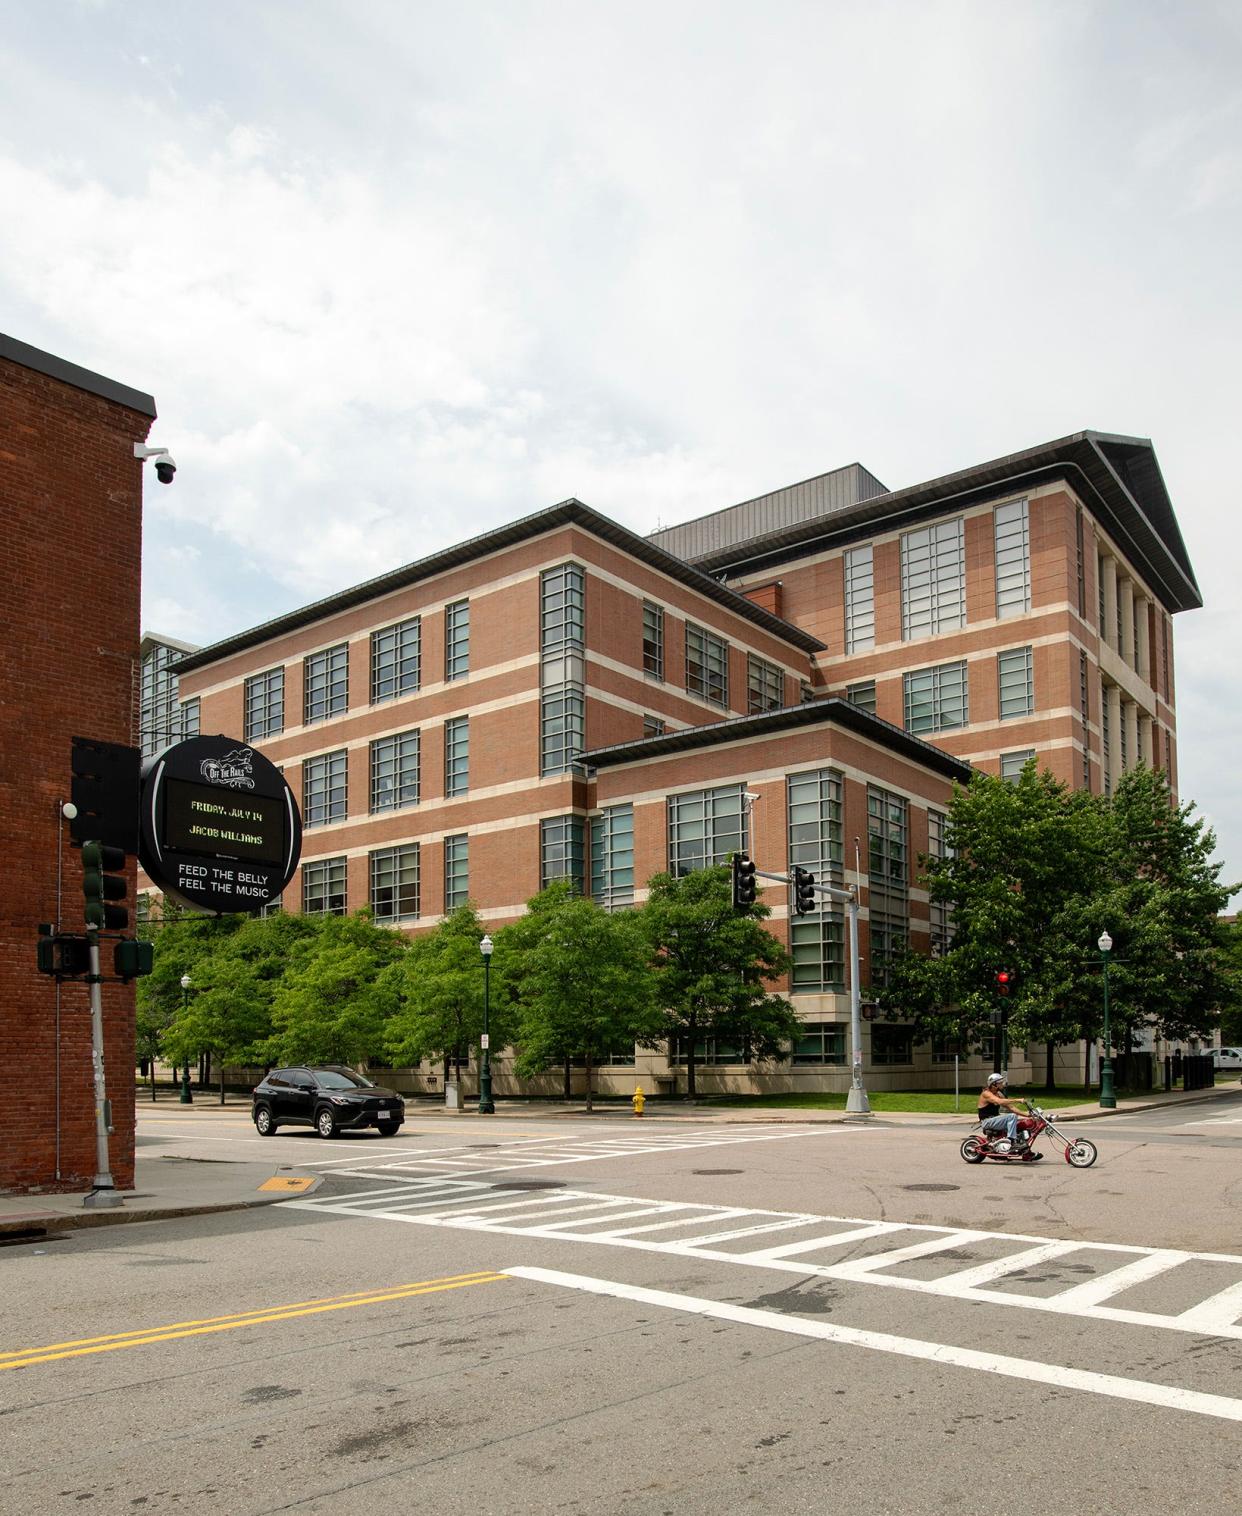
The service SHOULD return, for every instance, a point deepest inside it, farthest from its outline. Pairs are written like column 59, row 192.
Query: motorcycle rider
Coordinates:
column 998, row 1114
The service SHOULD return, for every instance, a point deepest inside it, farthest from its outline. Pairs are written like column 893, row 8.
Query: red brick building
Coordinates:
column 563, row 697
column 71, row 507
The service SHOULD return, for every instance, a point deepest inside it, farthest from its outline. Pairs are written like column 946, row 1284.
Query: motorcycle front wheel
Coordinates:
column 1081, row 1154
column 970, row 1150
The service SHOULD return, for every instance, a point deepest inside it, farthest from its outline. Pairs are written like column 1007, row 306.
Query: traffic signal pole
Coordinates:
column 104, row 1194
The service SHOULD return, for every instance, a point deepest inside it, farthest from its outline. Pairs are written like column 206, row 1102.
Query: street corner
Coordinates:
column 289, row 1186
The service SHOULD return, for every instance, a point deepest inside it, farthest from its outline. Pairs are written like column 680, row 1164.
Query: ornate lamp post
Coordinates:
column 487, row 1106
column 1108, row 1099
column 187, row 1095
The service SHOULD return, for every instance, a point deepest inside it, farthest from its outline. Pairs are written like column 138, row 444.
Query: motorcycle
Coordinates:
column 978, row 1147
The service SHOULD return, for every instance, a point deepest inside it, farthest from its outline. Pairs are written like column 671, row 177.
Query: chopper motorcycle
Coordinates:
column 980, row 1148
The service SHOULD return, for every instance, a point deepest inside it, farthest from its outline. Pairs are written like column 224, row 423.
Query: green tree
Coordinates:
column 712, row 965
column 588, row 989
column 1230, row 938
column 434, row 994
column 184, row 942
column 328, row 1006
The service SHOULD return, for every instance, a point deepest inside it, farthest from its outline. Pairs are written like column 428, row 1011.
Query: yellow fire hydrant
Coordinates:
column 639, row 1100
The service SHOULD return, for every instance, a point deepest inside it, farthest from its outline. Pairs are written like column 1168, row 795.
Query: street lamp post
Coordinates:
column 187, row 1095
column 1108, row 1099
column 487, row 1106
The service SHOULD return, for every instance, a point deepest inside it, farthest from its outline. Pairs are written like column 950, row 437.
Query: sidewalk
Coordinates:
column 169, row 1186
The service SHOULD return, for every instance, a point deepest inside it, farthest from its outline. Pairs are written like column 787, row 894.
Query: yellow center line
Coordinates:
column 86, row 1346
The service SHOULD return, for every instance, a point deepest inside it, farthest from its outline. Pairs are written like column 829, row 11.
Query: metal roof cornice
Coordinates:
column 567, row 513
column 738, row 728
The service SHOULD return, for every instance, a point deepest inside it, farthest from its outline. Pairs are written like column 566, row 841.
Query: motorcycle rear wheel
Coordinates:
column 1081, row 1154
column 971, row 1150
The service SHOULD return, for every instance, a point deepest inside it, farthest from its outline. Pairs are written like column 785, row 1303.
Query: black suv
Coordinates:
column 331, row 1100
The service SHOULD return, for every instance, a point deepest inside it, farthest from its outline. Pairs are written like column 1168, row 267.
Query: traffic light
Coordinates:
column 132, row 959
column 102, row 881
column 62, row 954
column 105, row 791
column 1004, row 979
column 744, row 882
column 804, row 891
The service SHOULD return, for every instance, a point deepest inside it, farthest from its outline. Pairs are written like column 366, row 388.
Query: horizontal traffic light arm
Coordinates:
column 834, row 892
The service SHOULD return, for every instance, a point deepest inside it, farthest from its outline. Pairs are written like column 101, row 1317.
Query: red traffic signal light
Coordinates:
column 1003, row 981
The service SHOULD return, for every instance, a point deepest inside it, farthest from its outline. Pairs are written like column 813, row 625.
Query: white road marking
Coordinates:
column 1167, row 1397
column 586, row 1217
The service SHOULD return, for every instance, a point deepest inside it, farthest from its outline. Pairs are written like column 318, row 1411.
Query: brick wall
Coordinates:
column 71, row 508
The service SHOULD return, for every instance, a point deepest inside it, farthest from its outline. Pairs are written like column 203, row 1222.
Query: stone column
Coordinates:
column 1108, row 632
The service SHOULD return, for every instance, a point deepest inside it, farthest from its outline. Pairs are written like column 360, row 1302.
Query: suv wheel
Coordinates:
column 263, row 1122
column 325, row 1122
column 388, row 1128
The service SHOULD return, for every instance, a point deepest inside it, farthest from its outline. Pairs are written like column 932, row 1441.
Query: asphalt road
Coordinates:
column 517, row 1316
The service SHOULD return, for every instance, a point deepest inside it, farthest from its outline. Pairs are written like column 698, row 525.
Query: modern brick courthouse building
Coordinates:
column 561, row 697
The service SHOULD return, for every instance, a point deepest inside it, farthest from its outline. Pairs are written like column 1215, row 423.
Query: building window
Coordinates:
column 396, row 654
column 323, row 887
column 891, row 1043
column 859, row 599
column 190, row 717
column 1099, row 582
column 456, row 871
column 765, row 686
column 705, row 827
column 1013, row 559
column 612, row 857
column 817, row 947
column 937, row 699
column 1123, row 741
column 456, row 639
column 265, row 705
column 707, row 665
column 819, row 1042
column 888, row 930
column 887, row 835
column 806, row 693
column 1081, row 561
column 816, row 825
column 457, row 755
column 324, row 789
column 1168, row 755
column 394, row 883
column 1084, row 706
column 653, row 726
column 394, row 771
column 562, row 642
column 562, row 851
column 1105, row 738
column 1017, row 686
column 939, row 911
column 1012, row 764
column 326, row 677
column 1164, row 640
column 708, row 1050
column 653, row 640
column 933, row 580
column 862, row 695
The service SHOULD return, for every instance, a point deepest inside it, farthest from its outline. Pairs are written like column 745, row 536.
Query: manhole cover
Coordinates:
column 715, row 1171
column 531, row 1184
column 931, row 1188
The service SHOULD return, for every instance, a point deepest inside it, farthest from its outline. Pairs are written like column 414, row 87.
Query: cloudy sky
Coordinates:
column 398, row 272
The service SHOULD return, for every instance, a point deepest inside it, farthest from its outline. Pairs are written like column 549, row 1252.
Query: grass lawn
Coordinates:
column 934, row 1101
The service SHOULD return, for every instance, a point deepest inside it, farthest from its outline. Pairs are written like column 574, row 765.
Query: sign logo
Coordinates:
column 235, row 771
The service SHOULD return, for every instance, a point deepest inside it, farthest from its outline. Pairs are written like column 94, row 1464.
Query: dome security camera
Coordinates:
column 165, row 466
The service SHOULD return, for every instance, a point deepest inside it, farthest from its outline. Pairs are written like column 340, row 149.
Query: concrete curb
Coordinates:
column 42, row 1223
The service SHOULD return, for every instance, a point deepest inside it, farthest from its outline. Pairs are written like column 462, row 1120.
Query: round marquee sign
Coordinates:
column 219, row 828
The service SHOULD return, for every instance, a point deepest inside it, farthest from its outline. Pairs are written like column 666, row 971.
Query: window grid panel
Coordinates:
column 1013, row 559
column 562, row 728
column 859, row 599
column 562, row 608
column 562, row 850
column 1015, row 674
column 457, row 755
column 395, row 771
column 887, row 838
column 323, row 887
column 765, row 686
column 888, row 928
column 933, row 580
column 612, row 857
column 862, row 695
column 819, row 1042
column 190, row 718
column 327, row 683
column 395, row 883
column 456, row 639
column 705, row 827
column 396, row 660
column 891, row 1044
column 653, row 640
column 324, row 789
column 707, row 665
column 937, row 699
column 653, row 726
column 940, row 912
column 265, row 705
column 456, row 871
column 817, row 947
column 1012, row 764
column 816, row 823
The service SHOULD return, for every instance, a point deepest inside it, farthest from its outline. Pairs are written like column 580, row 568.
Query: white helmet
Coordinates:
column 997, row 1079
